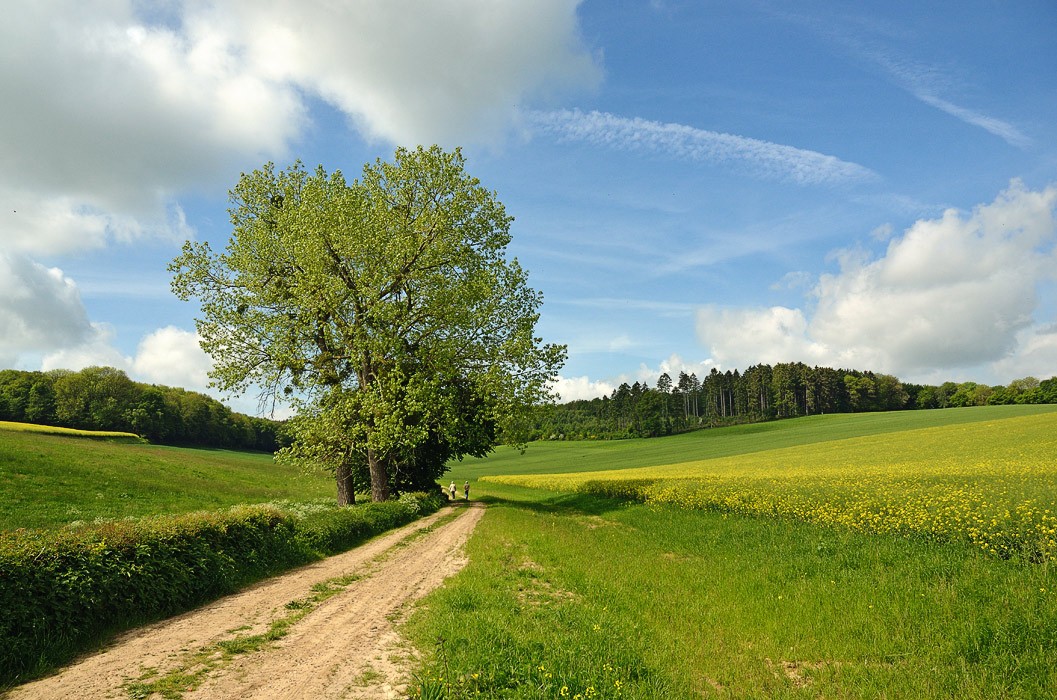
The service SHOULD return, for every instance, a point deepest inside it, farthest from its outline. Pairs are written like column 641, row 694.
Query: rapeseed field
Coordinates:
column 993, row 484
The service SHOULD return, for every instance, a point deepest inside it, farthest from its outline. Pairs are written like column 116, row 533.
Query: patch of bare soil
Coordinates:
column 346, row 647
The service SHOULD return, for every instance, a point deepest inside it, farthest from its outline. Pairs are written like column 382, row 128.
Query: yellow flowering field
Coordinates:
column 69, row 432
column 993, row 484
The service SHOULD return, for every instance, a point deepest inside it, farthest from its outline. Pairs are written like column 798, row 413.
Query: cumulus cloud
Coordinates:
column 105, row 120
column 954, row 292
column 169, row 356
column 443, row 72
column 96, row 349
column 1036, row 355
column 764, row 159
column 173, row 356
column 743, row 337
column 110, row 115
column 40, row 309
column 580, row 388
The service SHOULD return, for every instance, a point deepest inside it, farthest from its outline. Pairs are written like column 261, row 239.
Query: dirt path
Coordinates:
column 346, row 647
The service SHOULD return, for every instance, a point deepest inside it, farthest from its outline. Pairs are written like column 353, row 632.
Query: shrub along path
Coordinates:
column 324, row 630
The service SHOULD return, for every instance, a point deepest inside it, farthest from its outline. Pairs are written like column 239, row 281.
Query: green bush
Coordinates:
column 339, row 529
column 60, row 591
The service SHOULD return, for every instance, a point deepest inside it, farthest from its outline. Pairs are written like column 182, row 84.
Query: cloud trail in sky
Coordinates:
column 764, row 159
column 922, row 82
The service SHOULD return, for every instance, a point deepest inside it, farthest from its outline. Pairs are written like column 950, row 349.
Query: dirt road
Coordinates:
column 345, row 647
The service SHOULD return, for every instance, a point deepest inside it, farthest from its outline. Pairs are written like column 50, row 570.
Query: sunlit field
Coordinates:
column 991, row 483
column 872, row 556
column 51, row 480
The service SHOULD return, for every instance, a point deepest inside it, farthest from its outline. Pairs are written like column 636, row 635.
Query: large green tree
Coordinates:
column 364, row 302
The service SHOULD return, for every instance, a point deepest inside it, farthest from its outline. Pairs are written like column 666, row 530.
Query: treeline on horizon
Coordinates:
column 762, row 393
column 104, row 398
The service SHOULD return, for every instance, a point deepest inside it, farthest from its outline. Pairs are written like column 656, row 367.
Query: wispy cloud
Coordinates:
column 1004, row 130
column 764, row 159
column 926, row 84
column 870, row 38
column 664, row 308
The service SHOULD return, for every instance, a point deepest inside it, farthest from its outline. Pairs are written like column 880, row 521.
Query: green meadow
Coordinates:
column 50, row 479
column 573, row 593
column 669, row 567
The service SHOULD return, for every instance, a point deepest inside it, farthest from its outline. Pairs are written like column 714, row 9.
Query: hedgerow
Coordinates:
column 61, row 591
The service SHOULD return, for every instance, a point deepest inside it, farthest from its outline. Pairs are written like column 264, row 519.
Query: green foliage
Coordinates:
column 367, row 303
column 338, row 529
column 60, row 590
column 762, row 393
column 105, row 399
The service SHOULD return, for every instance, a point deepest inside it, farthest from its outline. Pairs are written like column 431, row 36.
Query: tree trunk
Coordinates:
column 346, row 490
column 379, row 478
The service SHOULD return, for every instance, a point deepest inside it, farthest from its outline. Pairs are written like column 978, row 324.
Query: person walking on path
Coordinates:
column 466, row 490
column 451, row 490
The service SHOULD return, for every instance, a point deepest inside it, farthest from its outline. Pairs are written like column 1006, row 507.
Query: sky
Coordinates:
column 702, row 184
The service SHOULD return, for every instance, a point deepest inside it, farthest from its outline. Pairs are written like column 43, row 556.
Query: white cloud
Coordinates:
column 744, row 337
column 443, row 72
column 998, row 127
column 580, row 388
column 168, row 356
column 108, row 116
column 764, row 159
column 673, row 366
column 1036, row 356
column 927, row 83
column 96, row 350
column 105, row 120
column 173, row 357
column 951, row 293
column 40, row 309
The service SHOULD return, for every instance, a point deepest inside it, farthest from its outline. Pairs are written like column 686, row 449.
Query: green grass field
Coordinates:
column 573, row 594
column 50, row 480
column 702, row 585
column 603, row 455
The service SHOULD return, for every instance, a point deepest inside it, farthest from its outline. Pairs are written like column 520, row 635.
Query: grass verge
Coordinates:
column 581, row 596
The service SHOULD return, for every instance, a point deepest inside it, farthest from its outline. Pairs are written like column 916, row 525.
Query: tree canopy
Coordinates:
column 384, row 308
column 761, row 393
column 104, row 398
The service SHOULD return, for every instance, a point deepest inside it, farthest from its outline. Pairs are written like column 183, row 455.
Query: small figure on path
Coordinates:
column 451, row 490
column 466, row 490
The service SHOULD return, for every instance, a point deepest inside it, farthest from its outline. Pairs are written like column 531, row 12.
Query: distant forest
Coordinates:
column 104, row 398
column 762, row 393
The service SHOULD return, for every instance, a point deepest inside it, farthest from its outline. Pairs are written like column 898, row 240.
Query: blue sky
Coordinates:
column 694, row 184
